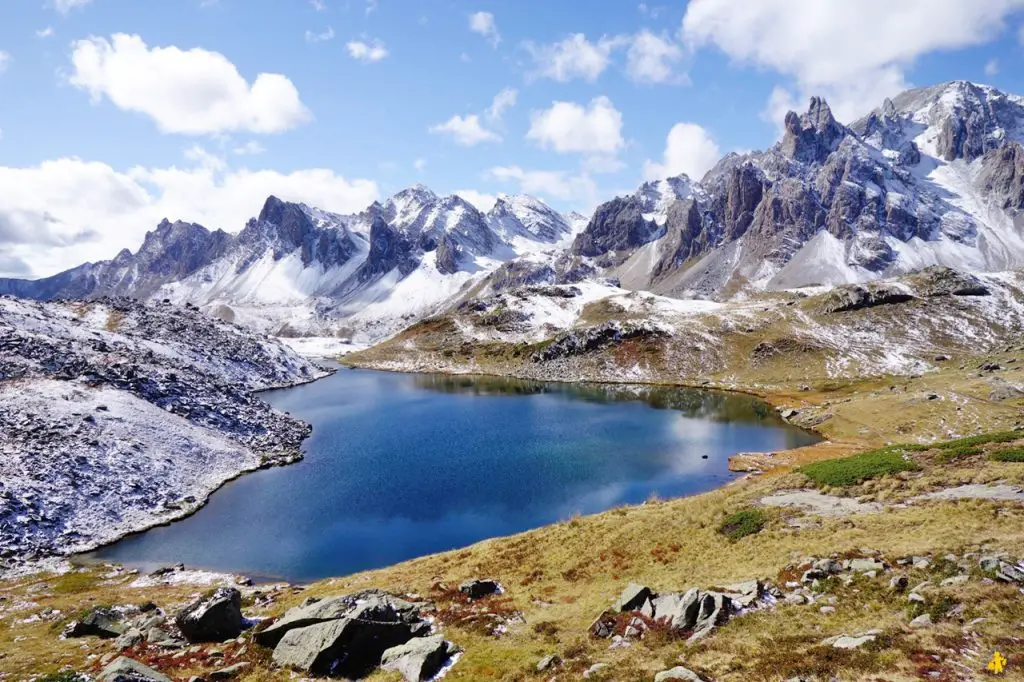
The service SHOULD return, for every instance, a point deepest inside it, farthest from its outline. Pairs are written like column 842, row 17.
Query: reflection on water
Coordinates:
column 691, row 402
column 404, row 465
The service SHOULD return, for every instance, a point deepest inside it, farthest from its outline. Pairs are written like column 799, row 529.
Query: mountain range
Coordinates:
column 934, row 176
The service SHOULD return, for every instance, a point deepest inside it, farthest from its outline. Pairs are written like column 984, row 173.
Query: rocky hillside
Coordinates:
column 117, row 415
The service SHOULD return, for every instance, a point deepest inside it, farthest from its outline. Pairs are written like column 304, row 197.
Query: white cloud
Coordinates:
column 45, row 32
column 371, row 6
column 854, row 53
column 419, row 164
column 184, row 91
column 780, row 102
column 502, row 102
column 992, row 68
column 318, row 5
column 367, row 51
column 650, row 59
column 60, row 213
column 314, row 38
column 578, row 190
column 569, row 127
column 65, row 6
column 573, row 57
column 250, row 148
column 5, row 60
column 466, row 131
column 483, row 202
column 483, row 23
column 689, row 149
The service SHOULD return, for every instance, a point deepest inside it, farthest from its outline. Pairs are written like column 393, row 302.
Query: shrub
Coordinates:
column 958, row 452
column 740, row 524
column 984, row 439
column 847, row 471
column 1008, row 455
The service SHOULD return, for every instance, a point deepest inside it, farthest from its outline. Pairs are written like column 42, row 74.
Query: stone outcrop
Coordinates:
column 214, row 618
column 419, row 659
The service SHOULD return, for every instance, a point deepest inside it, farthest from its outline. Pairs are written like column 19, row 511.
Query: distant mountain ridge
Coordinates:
column 298, row 270
column 934, row 176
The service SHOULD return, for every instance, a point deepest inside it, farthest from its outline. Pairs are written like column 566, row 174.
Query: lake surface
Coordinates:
column 402, row 465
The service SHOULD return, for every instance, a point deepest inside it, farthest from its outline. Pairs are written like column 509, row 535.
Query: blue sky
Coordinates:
column 117, row 112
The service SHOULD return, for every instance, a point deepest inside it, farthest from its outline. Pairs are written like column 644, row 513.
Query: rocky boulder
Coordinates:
column 476, row 589
column 214, row 618
column 99, row 622
column 943, row 281
column 860, row 296
column 350, row 644
column 678, row 673
column 126, row 670
column 419, row 659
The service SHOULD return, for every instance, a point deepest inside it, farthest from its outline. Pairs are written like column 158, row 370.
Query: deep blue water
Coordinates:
column 402, row 465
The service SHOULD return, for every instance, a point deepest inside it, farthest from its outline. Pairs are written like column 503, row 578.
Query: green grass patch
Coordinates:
column 958, row 452
column 1008, row 455
column 847, row 471
column 975, row 441
column 740, row 524
column 74, row 582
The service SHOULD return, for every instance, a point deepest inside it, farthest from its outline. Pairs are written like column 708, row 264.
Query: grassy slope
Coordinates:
column 560, row 577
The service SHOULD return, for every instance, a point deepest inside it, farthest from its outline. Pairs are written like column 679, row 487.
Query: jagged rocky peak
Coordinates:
column 521, row 214
column 810, row 138
column 286, row 227
column 389, row 249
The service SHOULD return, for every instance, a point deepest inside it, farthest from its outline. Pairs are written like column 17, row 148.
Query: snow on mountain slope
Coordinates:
column 117, row 415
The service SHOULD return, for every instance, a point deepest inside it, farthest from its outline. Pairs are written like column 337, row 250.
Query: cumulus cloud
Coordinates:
column 483, row 23
column 184, row 91
column 63, row 212
column 576, row 189
column 689, row 149
column 466, row 131
column 367, row 51
column 574, row 57
column 652, row 58
column 503, row 101
column 569, row 127
column 45, row 32
column 483, row 202
column 854, row 53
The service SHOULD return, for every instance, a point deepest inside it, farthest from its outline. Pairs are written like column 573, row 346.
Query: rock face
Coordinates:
column 834, row 204
column 858, row 297
column 99, row 622
column 214, row 618
column 348, row 636
column 419, row 659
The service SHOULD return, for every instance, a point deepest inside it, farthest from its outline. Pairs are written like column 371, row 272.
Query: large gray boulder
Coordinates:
column 333, row 608
column 678, row 611
column 213, row 619
column 477, row 589
column 634, row 598
column 419, row 659
column 126, row 670
column 351, row 646
column 99, row 622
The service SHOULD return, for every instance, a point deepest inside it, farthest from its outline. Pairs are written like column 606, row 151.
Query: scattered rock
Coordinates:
column 131, row 637
column 898, row 583
column 851, row 641
column 476, row 589
column 213, row 619
column 230, row 672
column 634, row 598
column 603, row 626
column 99, row 622
column 594, row 669
column 866, row 565
column 422, row 658
column 549, row 661
column 922, row 621
column 678, row 673
column 126, row 670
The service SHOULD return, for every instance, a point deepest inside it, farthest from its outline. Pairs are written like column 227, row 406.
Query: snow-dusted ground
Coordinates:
column 115, row 416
